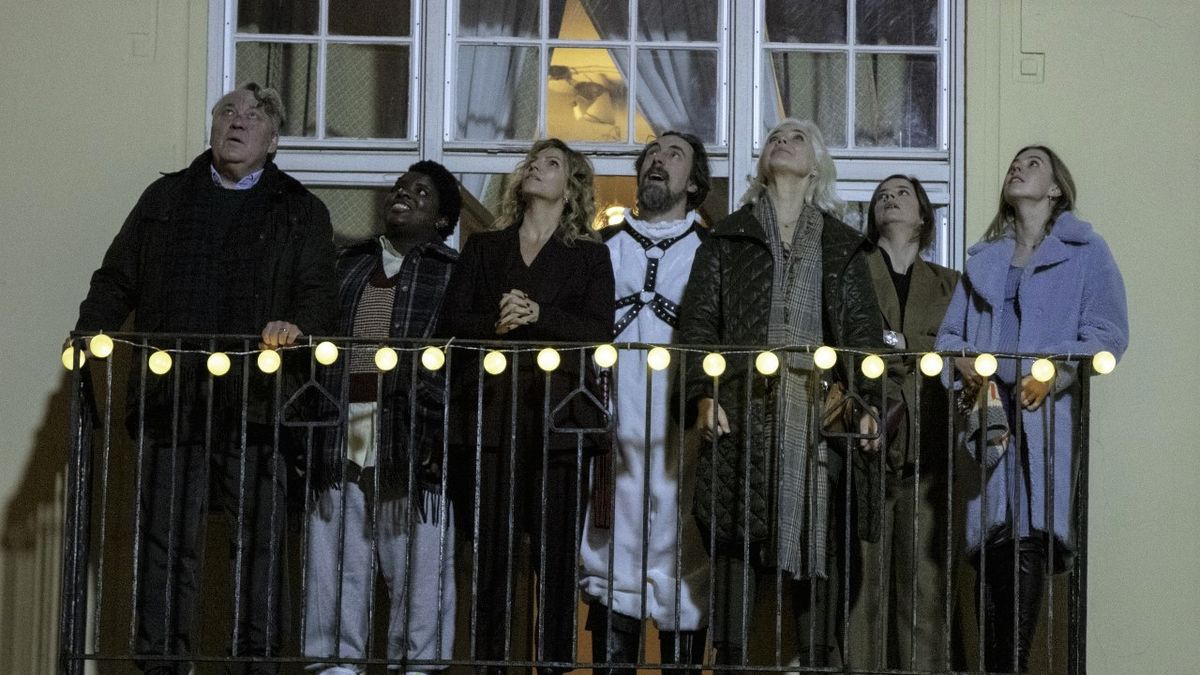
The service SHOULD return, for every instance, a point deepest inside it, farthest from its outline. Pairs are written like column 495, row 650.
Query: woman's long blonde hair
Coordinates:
column 822, row 191
column 1006, row 216
column 580, row 201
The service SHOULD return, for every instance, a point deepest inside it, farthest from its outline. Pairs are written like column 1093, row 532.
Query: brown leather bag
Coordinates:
column 840, row 413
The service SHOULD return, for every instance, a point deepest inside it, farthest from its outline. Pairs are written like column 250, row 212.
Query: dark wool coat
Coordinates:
column 728, row 302
column 411, row 410
column 291, row 279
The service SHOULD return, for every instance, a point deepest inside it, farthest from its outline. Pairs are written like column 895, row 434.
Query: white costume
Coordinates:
column 652, row 262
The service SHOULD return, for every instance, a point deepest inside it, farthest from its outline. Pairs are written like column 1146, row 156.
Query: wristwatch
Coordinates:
column 890, row 338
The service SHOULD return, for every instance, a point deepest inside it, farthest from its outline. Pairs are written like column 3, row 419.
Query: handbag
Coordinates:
column 840, row 413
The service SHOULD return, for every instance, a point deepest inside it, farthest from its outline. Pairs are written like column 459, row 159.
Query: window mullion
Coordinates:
column 851, row 73
column 322, row 64
column 631, row 77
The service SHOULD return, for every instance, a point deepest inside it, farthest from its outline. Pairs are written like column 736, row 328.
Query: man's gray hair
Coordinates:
column 269, row 102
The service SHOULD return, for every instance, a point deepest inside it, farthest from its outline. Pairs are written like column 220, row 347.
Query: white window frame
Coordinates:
column 376, row 163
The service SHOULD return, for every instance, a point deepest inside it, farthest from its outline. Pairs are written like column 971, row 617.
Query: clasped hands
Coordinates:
column 516, row 310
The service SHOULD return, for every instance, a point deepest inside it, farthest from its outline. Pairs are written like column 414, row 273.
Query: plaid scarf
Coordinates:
column 799, row 464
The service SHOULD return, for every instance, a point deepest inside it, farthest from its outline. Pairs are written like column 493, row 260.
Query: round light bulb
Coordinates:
column 872, row 366
column 714, row 365
column 159, row 362
column 494, row 362
column 1104, row 362
column 218, row 363
column 767, row 363
column 69, row 358
column 1042, row 370
column 605, row 356
column 548, row 359
column 100, row 345
column 326, row 353
column 658, row 358
column 386, row 358
column 824, row 357
column 433, row 358
column 985, row 365
column 269, row 361
column 931, row 364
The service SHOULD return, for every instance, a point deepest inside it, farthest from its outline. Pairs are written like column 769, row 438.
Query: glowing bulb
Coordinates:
column 1104, row 362
column 985, row 365
column 159, row 362
column 605, row 356
column 433, row 358
column 269, row 361
column 1042, row 370
column 386, row 358
column 614, row 214
column 100, row 345
column 325, row 353
column 69, row 358
column 548, row 359
column 218, row 363
column 494, row 363
column 658, row 358
column 824, row 357
column 714, row 365
column 872, row 366
column 931, row 364
column 767, row 363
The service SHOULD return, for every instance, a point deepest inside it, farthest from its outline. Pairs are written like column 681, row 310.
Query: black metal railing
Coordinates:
column 483, row 470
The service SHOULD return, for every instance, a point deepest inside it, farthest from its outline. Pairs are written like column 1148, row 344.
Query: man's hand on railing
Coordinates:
column 711, row 417
column 279, row 334
column 1033, row 392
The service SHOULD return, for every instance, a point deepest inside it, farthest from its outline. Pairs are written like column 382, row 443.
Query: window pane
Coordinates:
column 586, row 96
column 370, row 17
column 589, row 19
column 498, row 18
column 290, row 68
column 296, row 17
column 897, row 22
column 497, row 94
column 677, row 90
column 820, row 21
column 808, row 85
column 896, row 100
column 356, row 212
column 677, row 20
column 367, row 91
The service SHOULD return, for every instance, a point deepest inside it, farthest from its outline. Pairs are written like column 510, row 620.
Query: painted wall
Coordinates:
column 98, row 97
column 1111, row 85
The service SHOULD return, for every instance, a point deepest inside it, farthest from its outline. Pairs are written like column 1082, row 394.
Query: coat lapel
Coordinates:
column 885, row 291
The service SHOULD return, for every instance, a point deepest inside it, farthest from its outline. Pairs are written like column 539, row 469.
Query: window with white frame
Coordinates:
column 371, row 85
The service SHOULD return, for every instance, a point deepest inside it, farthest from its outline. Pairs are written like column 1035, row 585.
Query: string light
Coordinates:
column 269, row 361
column 605, row 356
column 658, row 358
column 326, row 353
column 714, row 365
column 931, row 364
column 159, row 362
column 218, row 363
column 872, row 366
column 1104, row 362
column 824, row 357
column 548, row 359
column 100, row 346
column 985, row 365
column 494, row 362
column 386, row 358
column 433, row 358
column 767, row 363
column 69, row 358
column 1042, row 370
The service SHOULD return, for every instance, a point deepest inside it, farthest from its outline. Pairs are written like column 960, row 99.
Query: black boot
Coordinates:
column 690, row 645
column 622, row 643
column 999, row 611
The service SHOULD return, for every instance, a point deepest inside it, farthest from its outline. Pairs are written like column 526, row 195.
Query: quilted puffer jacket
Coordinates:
column 727, row 302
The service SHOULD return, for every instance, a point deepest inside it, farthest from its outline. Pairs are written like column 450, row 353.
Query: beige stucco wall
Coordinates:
column 95, row 97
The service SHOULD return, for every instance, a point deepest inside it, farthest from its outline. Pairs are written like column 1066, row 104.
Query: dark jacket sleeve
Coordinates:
column 700, row 316
column 592, row 319
column 861, row 322
column 113, row 293
column 314, row 307
column 460, row 318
